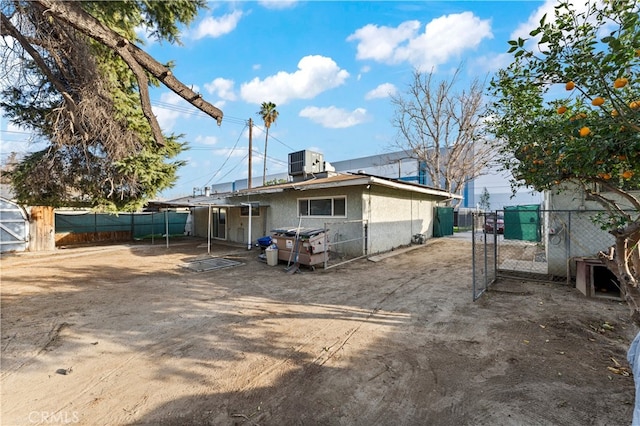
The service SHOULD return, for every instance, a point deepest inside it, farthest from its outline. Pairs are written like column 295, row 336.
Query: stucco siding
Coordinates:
column 395, row 217
column 392, row 216
column 570, row 215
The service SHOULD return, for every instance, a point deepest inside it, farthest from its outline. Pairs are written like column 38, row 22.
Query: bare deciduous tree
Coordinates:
column 443, row 129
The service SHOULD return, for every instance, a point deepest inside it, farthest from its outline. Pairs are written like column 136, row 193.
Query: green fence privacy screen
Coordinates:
column 522, row 223
column 443, row 222
column 141, row 225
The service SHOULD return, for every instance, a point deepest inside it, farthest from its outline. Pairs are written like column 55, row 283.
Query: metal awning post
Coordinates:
column 209, row 232
column 248, row 236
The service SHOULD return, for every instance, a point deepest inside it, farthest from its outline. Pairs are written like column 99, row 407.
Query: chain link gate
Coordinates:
column 484, row 252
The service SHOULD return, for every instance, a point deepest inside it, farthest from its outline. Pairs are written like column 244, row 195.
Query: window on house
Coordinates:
column 335, row 206
column 244, row 211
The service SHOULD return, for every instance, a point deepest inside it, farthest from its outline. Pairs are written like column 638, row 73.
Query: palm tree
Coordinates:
column 269, row 116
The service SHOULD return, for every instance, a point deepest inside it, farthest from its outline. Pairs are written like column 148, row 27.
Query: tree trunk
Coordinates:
column 617, row 261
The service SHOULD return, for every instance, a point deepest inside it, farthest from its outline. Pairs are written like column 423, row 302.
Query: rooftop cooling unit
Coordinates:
column 305, row 162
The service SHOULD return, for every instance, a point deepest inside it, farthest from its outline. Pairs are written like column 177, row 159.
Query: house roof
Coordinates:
column 337, row 180
column 349, row 179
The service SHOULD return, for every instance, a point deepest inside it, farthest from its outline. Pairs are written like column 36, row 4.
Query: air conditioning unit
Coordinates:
column 305, row 162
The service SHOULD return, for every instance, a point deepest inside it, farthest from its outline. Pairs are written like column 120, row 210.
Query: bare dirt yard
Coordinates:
column 125, row 334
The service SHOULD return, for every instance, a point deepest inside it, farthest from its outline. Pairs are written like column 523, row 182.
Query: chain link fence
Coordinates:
column 533, row 243
column 86, row 227
column 463, row 219
column 484, row 249
column 348, row 240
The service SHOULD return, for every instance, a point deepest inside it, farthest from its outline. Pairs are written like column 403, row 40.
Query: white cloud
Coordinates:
column 229, row 152
column 19, row 140
column 172, row 107
column 525, row 28
column 490, row 63
column 142, row 32
column 335, row 118
column 221, row 87
column 379, row 43
column 547, row 8
column 258, row 131
column 206, row 140
column 315, row 75
column 216, row 27
column 443, row 38
column 278, row 4
column 382, row 91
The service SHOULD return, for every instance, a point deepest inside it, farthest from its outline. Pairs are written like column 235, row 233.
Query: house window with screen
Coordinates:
column 334, row 206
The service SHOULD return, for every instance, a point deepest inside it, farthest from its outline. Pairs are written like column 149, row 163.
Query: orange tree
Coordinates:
column 567, row 109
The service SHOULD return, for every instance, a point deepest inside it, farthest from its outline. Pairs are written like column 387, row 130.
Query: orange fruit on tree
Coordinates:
column 570, row 85
column 614, row 113
column 562, row 109
column 585, row 131
column 620, row 82
column 627, row 174
column 597, row 101
column 634, row 105
column 606, row 176
column 622, row 157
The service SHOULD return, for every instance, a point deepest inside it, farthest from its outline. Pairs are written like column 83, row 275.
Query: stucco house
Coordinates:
column 362, row 213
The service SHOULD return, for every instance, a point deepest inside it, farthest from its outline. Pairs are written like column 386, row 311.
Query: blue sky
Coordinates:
column 329, row 67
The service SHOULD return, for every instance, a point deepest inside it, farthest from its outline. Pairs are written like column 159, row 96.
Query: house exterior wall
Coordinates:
column 392, row 217
column 395, row 217
column 282, row 212
column 236, row 225
column 574, row 234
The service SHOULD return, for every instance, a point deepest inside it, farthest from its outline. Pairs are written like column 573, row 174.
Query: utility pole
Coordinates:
column 250, row 151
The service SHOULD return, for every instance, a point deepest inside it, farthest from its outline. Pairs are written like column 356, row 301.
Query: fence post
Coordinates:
column 166, row 225
column 567, row 235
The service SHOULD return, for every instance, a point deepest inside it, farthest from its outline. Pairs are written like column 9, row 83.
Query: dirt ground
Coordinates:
column 125, row 334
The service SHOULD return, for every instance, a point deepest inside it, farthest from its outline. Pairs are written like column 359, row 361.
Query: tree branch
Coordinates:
column 72, row 14
column 9, row 29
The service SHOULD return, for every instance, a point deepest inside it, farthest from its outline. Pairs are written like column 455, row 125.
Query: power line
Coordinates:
column 226, row 160
column 196, row 112
column 16, row 132
column 277, row 140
